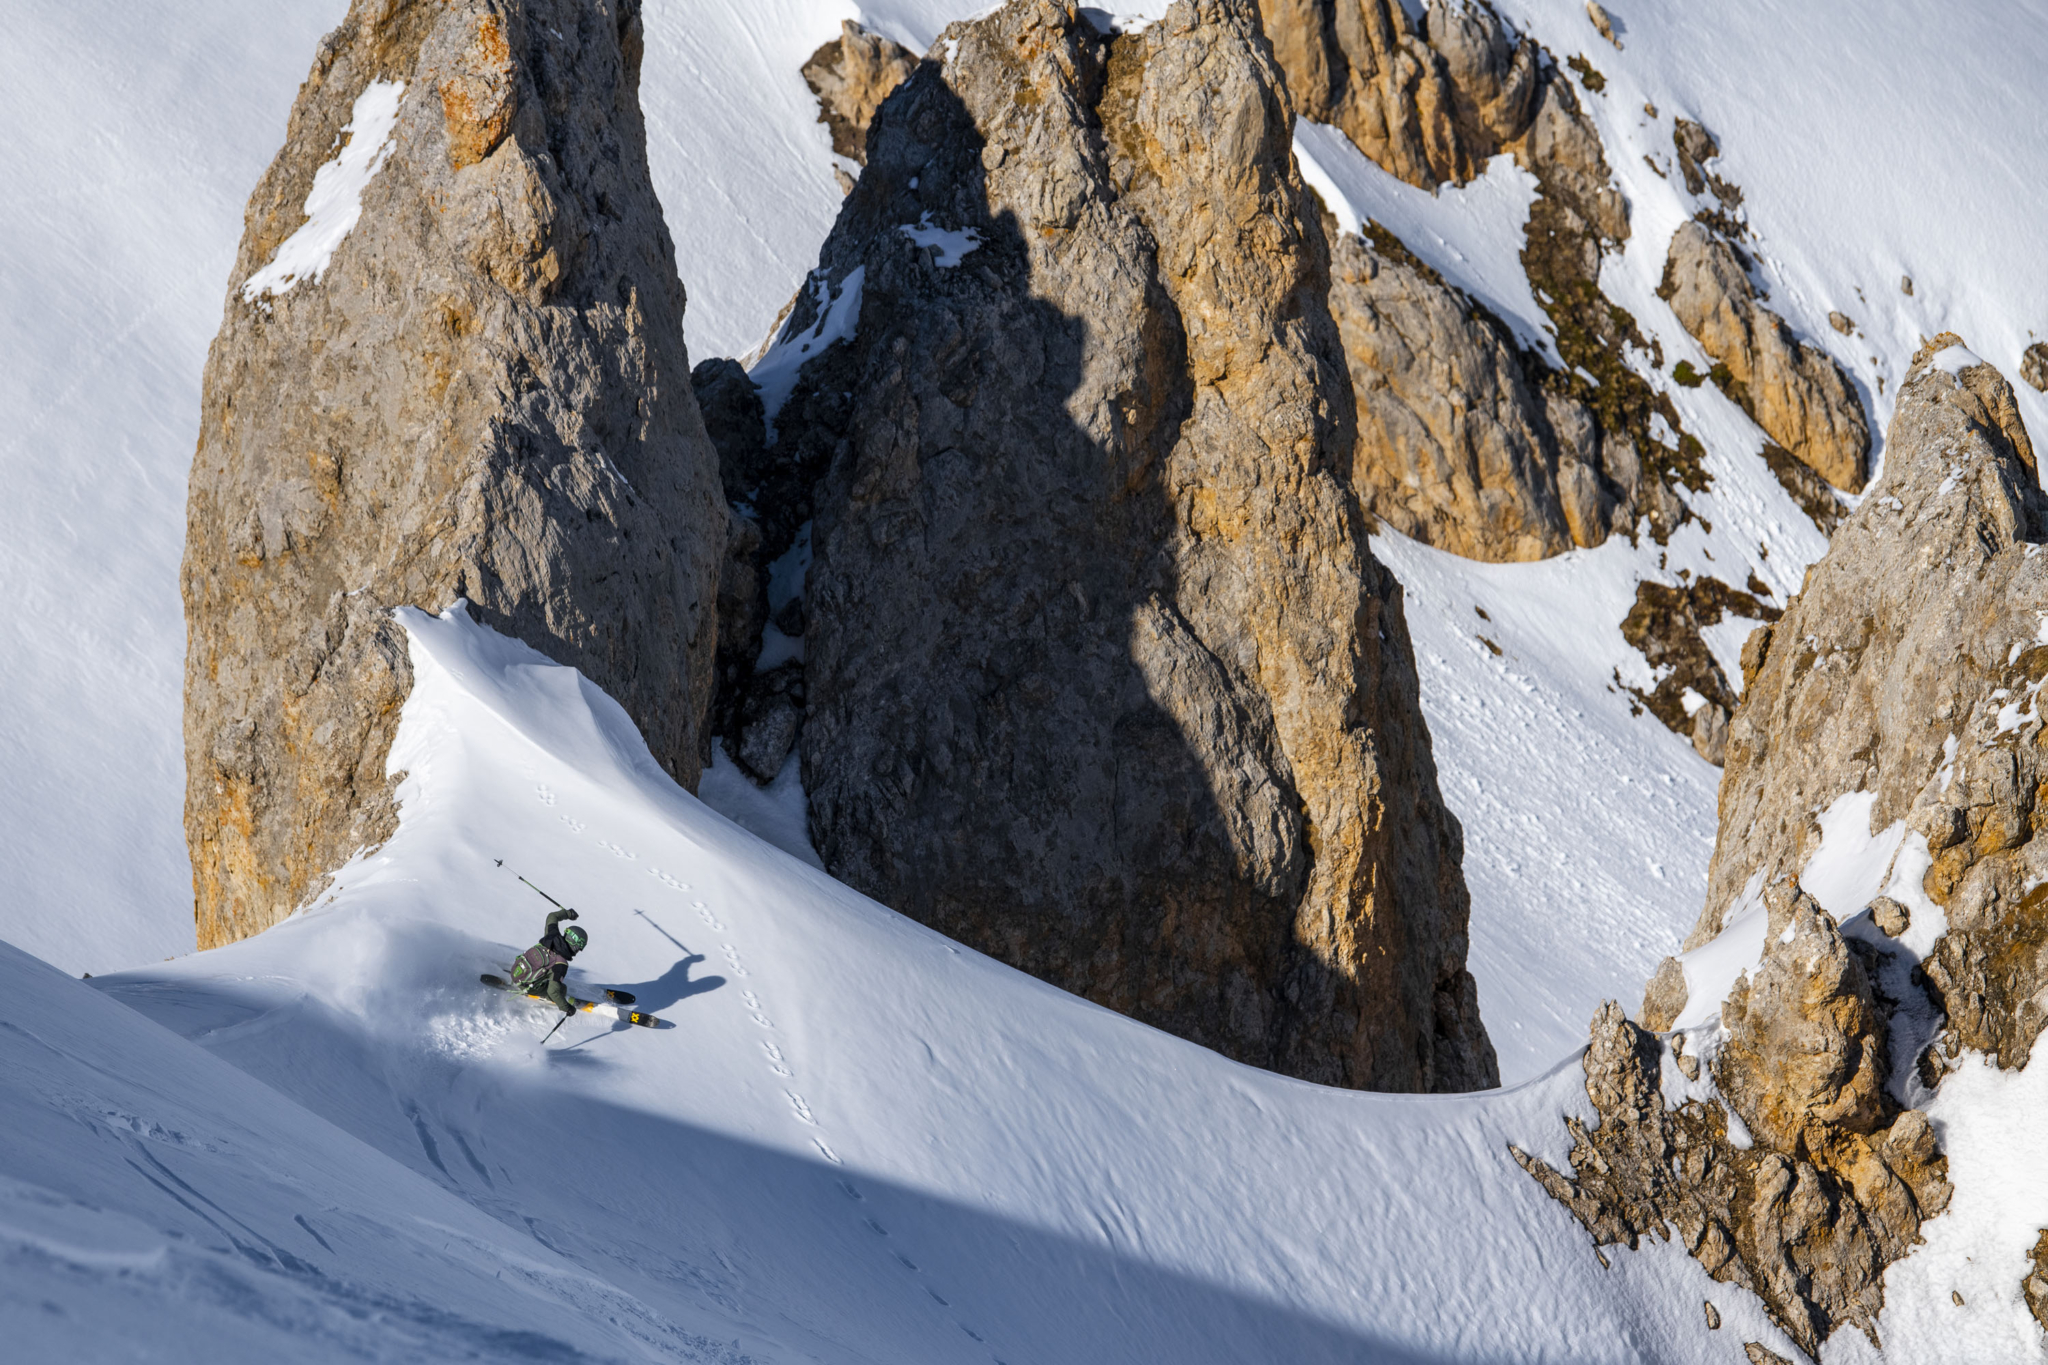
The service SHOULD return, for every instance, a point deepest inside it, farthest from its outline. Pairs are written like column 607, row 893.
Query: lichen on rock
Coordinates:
column 479, row 394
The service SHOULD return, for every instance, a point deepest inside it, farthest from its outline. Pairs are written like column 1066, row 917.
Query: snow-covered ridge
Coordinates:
column 862, row 1141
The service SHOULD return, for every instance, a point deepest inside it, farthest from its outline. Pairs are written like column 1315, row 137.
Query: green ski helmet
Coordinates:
column 576, row 937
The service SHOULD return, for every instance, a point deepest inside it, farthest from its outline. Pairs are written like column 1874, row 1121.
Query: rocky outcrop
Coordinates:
column 2034, row 365
column 1909, row 668
column 1465, row 441
column 1457, row 447
column 1696, row 147
column 1101, row 676
column 1362, row 66
column 478, row 393
column 1904, row 635
column 1825, row 1182
column 1692, row 696
column 2034, row 1288
column 1796, row 393
column 851, row 76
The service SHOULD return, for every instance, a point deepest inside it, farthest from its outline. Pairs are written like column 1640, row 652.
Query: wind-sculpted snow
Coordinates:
column 860, row 1141
column 157, row 1203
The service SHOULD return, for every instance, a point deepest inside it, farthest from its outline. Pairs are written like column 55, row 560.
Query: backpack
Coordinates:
column 532, row 967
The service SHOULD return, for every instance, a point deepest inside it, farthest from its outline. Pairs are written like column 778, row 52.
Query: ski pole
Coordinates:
column 543, row 895
column 558, row 1023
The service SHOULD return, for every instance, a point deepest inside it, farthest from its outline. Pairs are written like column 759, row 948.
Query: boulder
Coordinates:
column 1796, row 392
column 471, row 388
column 1102, row 678
column 851, row 76
column 2034, row 365
column 1455, row 447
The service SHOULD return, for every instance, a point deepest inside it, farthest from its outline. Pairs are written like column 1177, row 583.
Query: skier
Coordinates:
column 542, row 968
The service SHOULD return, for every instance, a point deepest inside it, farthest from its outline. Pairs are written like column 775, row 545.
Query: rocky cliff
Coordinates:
column 1465, row 441
column 1906, row 670
column 1902, row 640
column 1100, row 675
column 1429, row 103
column 451, row 366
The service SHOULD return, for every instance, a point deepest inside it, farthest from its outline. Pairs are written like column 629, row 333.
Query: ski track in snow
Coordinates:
column 780, row 1061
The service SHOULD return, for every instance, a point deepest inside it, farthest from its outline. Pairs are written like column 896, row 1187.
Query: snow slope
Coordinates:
column 859, row 1141
column 158, row 1203
column 134, row 135
column 1870, row 143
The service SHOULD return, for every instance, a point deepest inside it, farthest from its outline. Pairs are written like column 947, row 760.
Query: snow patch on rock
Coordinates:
column 336, row 199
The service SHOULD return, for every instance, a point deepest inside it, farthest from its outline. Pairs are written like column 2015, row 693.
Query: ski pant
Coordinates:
column 553, row 989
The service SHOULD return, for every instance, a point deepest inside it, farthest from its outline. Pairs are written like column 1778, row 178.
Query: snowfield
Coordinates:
column 859, row 1141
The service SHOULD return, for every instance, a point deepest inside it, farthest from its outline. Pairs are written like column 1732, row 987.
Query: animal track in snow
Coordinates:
column 732, row 959
column 547, row 798
column 704, row 913
column 670, row 882
column 616, row 851
column 575, row 825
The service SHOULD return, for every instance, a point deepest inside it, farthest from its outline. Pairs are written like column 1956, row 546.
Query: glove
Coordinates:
column 570, row 915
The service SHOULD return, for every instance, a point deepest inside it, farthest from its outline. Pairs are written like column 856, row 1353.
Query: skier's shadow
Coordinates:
column 674, row 984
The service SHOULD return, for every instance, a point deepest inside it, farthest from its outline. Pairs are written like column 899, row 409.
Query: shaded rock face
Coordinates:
column 482, row 396
column 1920, row 624
column 1796, row 392
column 1102, row 678
column 851, row 76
